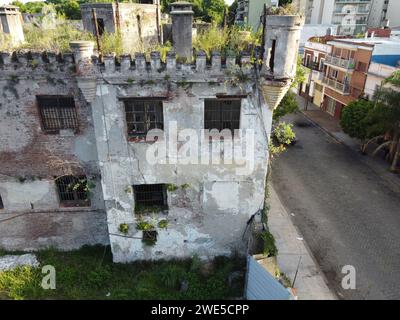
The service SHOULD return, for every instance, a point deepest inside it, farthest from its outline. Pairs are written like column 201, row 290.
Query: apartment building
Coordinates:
column 351, row 70
column 351, row 16
column 315, row 52
column 248, row 12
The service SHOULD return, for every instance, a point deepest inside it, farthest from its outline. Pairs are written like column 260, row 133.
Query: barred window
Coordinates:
column 57, row 113
column 150, row 195
column 73, row 191
column 1, row 203
column 221, row 114
column 142, row 116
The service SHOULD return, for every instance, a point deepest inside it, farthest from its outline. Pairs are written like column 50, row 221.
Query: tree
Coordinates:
column 206, row 10
column 385, row 118
column 353, row 115
column 378, row 120
column 300, row 75
column 287, row 105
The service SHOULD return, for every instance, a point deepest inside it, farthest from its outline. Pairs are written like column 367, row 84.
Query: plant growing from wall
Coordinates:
column 142, row 210
column 284, row 134
column 144, row 226
column 286, row 106
column 269, row 247
column 123, row 228
column 185, row 186
column 163, row 224
column 128, row 189
column 83, row 185
column 172, row 187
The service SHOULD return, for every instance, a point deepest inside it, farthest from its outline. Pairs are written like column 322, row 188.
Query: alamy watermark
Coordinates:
column 203, row 147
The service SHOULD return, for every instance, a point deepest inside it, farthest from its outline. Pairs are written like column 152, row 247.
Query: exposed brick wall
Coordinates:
column 25, row 149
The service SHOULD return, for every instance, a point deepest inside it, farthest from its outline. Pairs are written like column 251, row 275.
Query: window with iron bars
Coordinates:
column 73, row 191
column 222, row 114
column 149, row 196
column 142, row 116
column 57, row 113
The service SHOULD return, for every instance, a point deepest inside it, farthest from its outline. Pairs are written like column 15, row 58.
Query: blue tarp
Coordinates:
column 261, row 285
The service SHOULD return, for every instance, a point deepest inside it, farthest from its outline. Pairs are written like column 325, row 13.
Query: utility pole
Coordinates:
column 159, row 31
column 308, row 90
column 264, row 22
column 117, row 17
column 96, row 29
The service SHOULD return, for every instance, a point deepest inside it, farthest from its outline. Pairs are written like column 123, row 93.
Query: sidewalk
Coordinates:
column 331, row 126
column 310, row 282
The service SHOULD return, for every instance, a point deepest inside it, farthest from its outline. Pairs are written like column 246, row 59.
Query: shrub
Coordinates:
column 353, row 115
column 287, row 105
column 123, row 228
column 284, row 134
column 269, row 248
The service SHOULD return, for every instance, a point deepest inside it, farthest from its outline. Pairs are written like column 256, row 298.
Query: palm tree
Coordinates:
column 385, row 118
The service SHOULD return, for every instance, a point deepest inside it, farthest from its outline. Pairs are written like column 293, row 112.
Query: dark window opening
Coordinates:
column 142, row 116
column 222, row 114
column 100, row 26
column 57, row 113
column 73, row 191
column 149, row 237
column 1, row 203
column 272, row 57
column 150, row 196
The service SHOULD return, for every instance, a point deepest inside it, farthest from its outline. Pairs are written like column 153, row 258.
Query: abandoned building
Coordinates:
column 75, row 145
column 11, row 23
column 139, row 24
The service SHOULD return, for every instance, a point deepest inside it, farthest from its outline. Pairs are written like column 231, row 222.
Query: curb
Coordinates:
column 323, row 129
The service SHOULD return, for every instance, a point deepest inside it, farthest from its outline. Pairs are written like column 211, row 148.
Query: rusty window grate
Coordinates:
column 73, row 191
column 1, row 203
column 149, row 195
column 142, row 116
column 222, row 114
column 57, row 113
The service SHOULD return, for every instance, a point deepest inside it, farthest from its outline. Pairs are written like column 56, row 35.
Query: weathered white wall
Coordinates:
column 207, row 218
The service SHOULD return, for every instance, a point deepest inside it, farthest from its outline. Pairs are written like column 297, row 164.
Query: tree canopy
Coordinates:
column 205, row 10
column 353, row 115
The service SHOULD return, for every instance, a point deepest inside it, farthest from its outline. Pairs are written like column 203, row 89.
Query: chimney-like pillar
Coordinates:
column 182, row 21
column 83, row 51
column 282, row 44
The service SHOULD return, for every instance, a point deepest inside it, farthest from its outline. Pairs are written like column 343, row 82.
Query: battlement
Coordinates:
column 136, row 67
column 23, row 60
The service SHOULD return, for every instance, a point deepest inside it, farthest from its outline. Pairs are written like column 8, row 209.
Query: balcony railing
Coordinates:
column 338, row 62
column 343, row 88
column 312, row 66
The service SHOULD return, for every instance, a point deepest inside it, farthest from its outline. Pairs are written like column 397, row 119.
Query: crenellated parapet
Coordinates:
column 23, row 61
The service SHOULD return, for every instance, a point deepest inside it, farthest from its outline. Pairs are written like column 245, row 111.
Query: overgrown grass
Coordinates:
column 227, row 40
column 85, row 274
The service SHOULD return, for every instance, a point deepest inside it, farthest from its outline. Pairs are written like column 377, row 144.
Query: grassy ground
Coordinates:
column 89, row 273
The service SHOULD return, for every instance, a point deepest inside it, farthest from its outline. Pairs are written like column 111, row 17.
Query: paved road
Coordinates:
column 345, row 212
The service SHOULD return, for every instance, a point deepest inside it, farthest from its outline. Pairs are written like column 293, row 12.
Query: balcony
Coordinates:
column 353, row 1
column 312, row 66
column 347, row 64
column 340, row 87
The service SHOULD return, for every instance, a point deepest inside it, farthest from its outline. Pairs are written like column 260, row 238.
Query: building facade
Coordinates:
column 249, row 12
column 121, row 153
column 367, row 67
column 315, row 53
column 138, row 23
column 11, row 23
column 351, row 17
